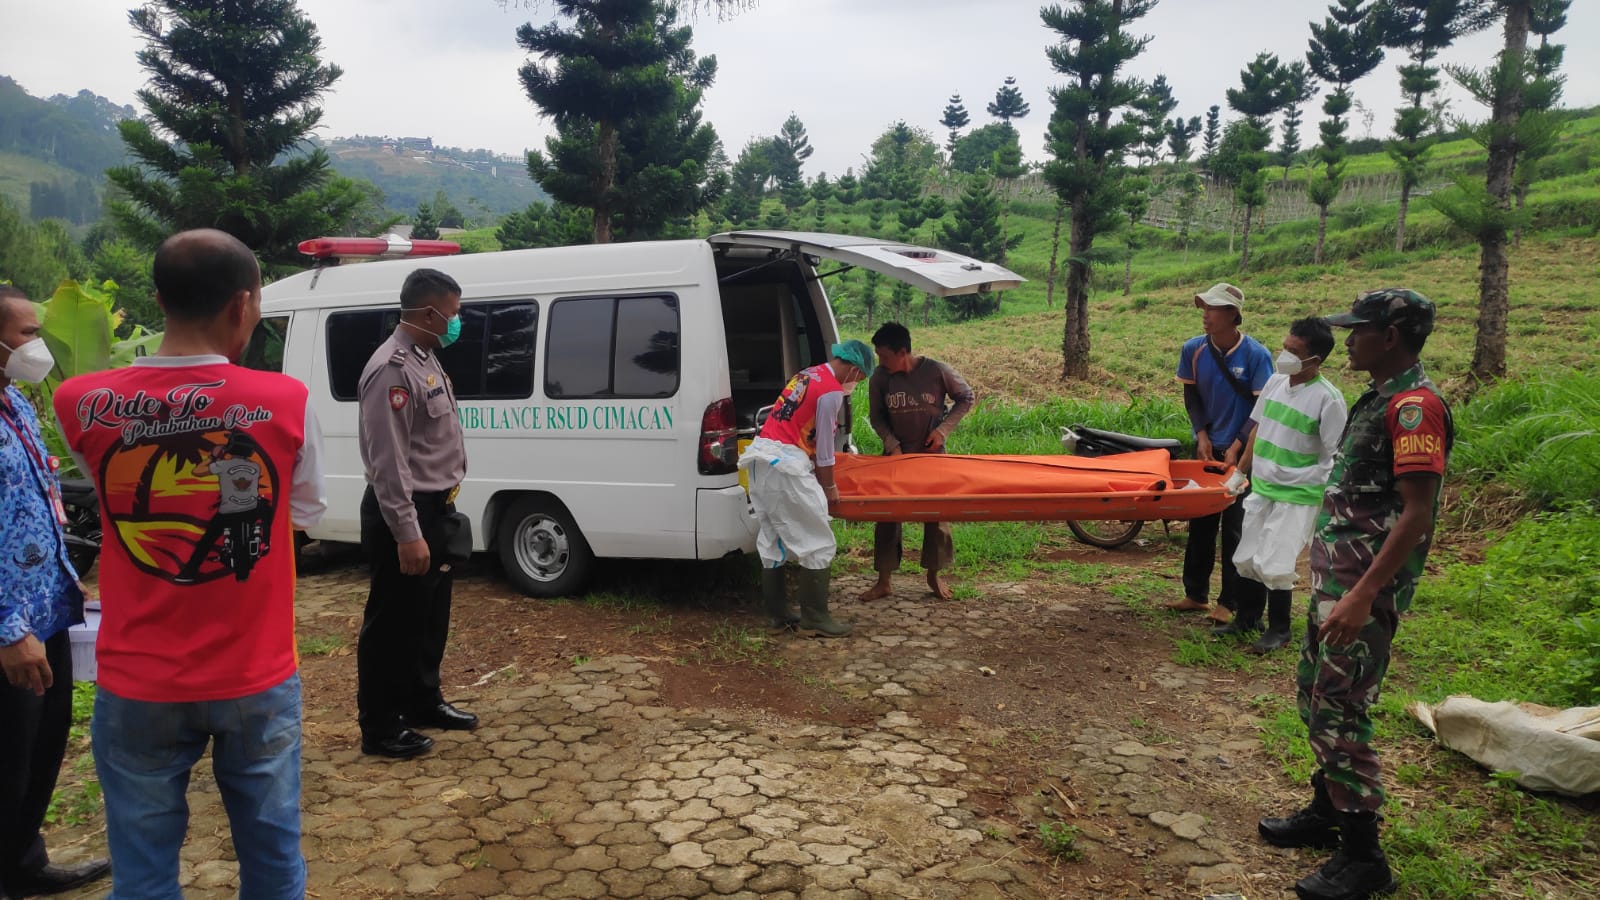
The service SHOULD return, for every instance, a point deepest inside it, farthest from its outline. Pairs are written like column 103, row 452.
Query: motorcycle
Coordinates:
column 1081, row 440
column 82, row 529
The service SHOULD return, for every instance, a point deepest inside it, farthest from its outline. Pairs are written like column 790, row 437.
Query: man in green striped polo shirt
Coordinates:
column 1294, row 433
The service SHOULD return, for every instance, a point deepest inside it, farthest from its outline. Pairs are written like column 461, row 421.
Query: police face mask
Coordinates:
column 452, row 331
column 1289, row 364
column 30, row 362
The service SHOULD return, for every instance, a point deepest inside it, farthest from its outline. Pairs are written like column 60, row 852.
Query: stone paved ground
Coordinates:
column 659, row 750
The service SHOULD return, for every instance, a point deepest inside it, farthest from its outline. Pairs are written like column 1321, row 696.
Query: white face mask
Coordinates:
column 29, row 363
column 1289, row 364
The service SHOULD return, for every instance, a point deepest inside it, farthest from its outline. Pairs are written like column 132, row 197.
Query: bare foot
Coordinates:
column 878, row 591
column 938, row 588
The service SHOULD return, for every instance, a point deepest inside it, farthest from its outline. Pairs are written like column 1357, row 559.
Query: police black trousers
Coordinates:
column 406, row 622
column 33, row 741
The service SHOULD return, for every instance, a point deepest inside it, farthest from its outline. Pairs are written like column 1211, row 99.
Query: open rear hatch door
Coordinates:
column 938, row 272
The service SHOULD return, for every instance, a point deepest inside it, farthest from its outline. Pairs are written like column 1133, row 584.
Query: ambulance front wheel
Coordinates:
column 542, row 550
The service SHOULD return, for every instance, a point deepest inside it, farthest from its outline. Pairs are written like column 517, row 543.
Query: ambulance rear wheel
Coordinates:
column 542, row 550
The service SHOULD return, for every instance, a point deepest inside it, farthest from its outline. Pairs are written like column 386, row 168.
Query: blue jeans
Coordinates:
column 144, row 752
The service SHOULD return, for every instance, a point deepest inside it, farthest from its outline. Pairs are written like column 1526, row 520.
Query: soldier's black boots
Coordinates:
column 1357, row 871
column 1315, row 826
column 1277, row 634
column 780, row 615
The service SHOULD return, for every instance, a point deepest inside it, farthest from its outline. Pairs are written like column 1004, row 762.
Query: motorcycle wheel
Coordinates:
column 1106, row 533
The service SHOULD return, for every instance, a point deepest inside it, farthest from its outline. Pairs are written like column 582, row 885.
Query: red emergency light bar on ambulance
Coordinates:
column 332, row 250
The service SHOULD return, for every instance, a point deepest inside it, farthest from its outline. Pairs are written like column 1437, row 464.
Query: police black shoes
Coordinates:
column 1357, row 871
column 59, row 879
column 443, row 716
column 402, row 745
column 1315, row 826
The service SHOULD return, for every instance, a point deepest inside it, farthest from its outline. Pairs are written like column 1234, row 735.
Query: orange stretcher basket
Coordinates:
column 936, row 487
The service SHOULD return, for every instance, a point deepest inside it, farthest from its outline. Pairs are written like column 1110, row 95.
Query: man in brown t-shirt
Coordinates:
column 907, row 398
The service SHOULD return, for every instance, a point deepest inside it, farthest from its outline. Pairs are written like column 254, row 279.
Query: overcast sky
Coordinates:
column 448, row 68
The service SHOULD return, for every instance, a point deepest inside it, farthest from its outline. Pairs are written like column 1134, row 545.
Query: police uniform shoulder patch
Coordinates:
column 398, row 357
column 399, row 397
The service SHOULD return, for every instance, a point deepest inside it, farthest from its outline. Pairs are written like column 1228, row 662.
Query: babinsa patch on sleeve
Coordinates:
column 1410, row 416
column 399, row 397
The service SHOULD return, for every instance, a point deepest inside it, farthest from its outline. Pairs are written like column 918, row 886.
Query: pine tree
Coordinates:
column 233, row 93
column 1260, row 95
column 821, row 190
column 1212, row 137
column 1092, row 50
column 747, row 180
column 955, row 118
column 1150, row 113
column 790, row 149
column 1180, row 137
column 1007, row 168
column 425, row 224
column 1520, row 90
column 1008, row 103
column 977, row 233
column 1545, row 18
column 847, row 188
column 621, row 63
column 1298, row 90
column 1422, row 28
column 1345, row 48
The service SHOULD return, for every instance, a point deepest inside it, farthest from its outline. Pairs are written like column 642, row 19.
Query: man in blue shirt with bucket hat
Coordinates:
column 1222, row 371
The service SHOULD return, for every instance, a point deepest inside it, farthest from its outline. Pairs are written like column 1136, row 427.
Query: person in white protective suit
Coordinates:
column 790, row 464
column 1296, row 426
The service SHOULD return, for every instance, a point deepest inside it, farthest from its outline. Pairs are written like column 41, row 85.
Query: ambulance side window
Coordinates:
column 604, row 347
column 493, row 358
column 265, row 351
column 353, row 336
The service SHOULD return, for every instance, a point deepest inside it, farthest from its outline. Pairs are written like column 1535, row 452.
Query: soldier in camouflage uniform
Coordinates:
column 1371, row 540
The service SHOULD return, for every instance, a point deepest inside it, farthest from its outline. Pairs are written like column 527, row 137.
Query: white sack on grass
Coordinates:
column 1547, row 749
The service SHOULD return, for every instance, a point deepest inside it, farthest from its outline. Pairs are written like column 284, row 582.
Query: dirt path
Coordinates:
column 660, row 748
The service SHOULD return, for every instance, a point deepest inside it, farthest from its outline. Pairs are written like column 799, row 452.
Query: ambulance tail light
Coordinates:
column 719, row 439
column 332, row 250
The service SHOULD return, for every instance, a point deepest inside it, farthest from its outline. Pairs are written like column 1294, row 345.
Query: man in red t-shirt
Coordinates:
column 203, row 470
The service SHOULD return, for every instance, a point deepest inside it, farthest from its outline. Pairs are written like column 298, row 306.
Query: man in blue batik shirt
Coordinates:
column 40, row 601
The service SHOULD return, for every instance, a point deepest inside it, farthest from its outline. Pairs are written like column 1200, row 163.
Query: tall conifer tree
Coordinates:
column 954, row 119
column 1262, row 92
column 234, row 93
column 1087, row 147
column 1345, row 48
column 619, row 63
column 1423, row 29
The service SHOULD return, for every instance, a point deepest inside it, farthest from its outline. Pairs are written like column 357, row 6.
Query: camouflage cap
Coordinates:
column 1399, row 307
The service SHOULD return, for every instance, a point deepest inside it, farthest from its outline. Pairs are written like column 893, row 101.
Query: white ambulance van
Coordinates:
column 603, row 389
